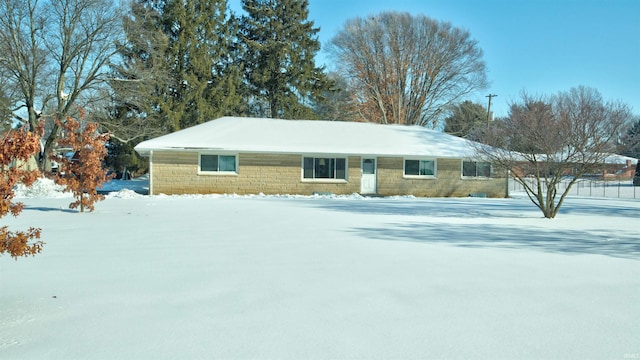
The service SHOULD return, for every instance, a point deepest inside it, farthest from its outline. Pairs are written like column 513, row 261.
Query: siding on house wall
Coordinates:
column 177, row 173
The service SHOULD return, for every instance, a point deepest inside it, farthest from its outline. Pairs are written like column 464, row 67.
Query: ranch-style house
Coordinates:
column 237, row 155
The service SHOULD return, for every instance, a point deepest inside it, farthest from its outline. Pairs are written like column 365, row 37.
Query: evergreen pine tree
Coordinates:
column 139, row 79
column 181, row 52
column 465, row 119
column 204, row 78
column 631, row 140
column 281, row 44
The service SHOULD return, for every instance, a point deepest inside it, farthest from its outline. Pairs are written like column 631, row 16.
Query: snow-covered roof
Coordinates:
column 261, row 135
column 619, row 159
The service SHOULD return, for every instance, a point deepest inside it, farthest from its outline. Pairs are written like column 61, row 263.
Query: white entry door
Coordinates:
column 368, row 179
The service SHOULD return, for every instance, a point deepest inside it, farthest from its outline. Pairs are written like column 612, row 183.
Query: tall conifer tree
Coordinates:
column 197, row 47
column 140, row 79
column 281, row 44
column 201, row 39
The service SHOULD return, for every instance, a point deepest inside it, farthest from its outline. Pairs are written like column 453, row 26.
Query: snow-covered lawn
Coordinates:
column 256, row 277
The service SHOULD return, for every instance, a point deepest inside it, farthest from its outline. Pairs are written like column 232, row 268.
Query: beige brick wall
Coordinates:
column 448, row 181
column 177, row 173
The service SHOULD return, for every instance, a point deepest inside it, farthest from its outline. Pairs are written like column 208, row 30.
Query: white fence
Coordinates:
column 622, row 189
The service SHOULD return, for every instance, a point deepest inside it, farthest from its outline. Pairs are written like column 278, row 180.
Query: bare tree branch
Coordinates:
column 407, row 69
column 550, row 139
column 57, row 50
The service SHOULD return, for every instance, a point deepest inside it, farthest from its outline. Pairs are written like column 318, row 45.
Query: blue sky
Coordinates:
column 538, row 46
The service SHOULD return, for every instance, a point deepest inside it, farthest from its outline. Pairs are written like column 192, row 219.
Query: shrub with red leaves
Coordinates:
column 82, row 172
column 17, row 147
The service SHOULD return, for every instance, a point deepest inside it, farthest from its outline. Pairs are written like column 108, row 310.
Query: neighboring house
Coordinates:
column 612, row 167
column 618, row 167
column 30, row 165
column 251, row 156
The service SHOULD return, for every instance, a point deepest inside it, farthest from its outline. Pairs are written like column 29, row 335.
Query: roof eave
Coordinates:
column 146, row 152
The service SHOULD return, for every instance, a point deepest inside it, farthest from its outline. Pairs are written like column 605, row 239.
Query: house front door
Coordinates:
column 368, row 181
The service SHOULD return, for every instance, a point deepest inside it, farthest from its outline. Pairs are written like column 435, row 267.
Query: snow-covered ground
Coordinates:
column 345, row 277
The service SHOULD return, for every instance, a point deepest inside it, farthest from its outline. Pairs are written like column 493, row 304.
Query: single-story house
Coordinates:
column 238, row 155
column 619, row 167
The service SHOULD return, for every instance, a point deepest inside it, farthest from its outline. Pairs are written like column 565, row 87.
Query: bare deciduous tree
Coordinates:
column 56, row 52
column 24, row 58
column 546, row 140
column 6, row 117
column 407, row 69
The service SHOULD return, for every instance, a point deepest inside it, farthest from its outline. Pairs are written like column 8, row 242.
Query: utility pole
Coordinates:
column 489, row 108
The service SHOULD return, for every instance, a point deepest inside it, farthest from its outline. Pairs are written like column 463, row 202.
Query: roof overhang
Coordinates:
column 274, row 136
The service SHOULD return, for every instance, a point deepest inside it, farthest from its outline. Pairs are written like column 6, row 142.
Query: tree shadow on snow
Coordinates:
column 600, row 207
column 48, row 209
column 435, row 207
column 477, row 207
column 621, row 241
column 614, row 243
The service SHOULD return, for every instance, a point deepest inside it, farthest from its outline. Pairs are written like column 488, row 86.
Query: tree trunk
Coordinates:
column 45, row 164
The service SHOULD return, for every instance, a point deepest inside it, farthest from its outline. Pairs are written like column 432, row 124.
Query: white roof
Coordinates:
column 261, row 135
column 619, row 159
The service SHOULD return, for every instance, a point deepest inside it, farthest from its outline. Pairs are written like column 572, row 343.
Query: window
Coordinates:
column 324, row 168
column 217, row 163
column 420, row 167
column 476, row 169
column 369, row 166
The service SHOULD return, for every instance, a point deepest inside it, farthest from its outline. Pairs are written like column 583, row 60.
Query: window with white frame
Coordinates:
column 416, row 167
column 324, row 168
column 211, row 163
column 476, row 169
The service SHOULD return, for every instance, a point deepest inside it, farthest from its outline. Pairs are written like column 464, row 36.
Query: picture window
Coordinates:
column 476, row 169
column 419, row 167
column 324, row 168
